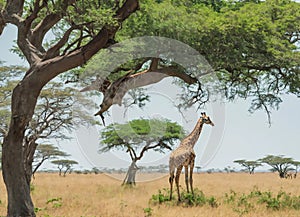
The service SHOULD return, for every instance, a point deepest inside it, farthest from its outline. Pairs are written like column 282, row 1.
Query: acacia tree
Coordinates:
column 46, row 152
column 65, row 165
column 139, row 136
column 249, row 165
column 279, row 164
column 82, row 29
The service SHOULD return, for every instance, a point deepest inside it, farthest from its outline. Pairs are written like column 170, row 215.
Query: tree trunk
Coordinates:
column 131, row 173
column 16, row 168
column 282, row 174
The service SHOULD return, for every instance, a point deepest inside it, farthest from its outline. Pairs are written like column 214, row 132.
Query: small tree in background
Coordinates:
column 64, row 165
column 139, row 136
column 279, row 164
column 249, row 165
column 46, row 152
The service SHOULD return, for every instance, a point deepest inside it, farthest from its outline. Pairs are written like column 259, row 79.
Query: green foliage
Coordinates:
column 141, row 135
column 245, row 203
column 148, row 211
column 48, row 151
column 161, row 197
column 188, row 199
column 36, row 209
column 252, row 45
column 240, row 203
column 86, row 17
column 32, row 187
column 64, row 162
column 55, row 202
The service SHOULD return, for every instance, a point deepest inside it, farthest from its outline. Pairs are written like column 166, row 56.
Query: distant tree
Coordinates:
column 198, row 168
column 139, row 136
column 96, row 170
column 64, row 165
column 229, row 169
column 46, row 152
column 249, row 165
column 279, row 164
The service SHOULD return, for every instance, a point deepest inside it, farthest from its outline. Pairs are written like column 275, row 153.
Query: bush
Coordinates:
column 188, row 199
column 244, row 203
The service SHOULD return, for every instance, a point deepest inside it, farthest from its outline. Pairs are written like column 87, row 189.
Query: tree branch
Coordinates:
column 149, row 147
column 2, row 23
column 39, row 32
column 117, row 90
column 54, row 50
column 60, row 64
column 36, row 9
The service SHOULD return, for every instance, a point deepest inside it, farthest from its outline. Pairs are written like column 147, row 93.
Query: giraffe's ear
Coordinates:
column 202, row 113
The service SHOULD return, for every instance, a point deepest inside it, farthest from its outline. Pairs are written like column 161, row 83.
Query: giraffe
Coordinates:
column 184, row 156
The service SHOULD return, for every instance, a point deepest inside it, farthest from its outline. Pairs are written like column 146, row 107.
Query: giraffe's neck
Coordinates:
column 192, row 138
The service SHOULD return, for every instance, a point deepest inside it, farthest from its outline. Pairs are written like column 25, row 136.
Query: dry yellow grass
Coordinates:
column 101, row 195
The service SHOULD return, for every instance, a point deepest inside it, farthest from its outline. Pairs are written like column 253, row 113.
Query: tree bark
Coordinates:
column 14, row 161
column 131, row 173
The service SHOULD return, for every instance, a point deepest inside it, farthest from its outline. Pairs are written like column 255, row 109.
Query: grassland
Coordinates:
column 79, row 195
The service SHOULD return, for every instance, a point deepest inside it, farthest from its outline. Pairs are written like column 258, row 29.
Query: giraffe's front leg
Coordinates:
column 186, row 170
column 191, row 172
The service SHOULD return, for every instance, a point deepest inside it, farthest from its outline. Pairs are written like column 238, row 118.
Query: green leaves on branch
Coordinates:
column 252, row 45
column 140, row 136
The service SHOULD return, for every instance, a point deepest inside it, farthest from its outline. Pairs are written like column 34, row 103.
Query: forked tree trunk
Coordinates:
column 16, row 172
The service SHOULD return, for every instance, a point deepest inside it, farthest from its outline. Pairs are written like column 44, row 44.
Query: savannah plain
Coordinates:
column 91, row 195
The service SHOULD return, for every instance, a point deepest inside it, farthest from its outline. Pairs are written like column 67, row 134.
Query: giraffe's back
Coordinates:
column 180, row 156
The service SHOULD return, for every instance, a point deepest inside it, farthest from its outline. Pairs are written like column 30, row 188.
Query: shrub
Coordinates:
column 148, row 211
column 56, row 202
column 188, row 199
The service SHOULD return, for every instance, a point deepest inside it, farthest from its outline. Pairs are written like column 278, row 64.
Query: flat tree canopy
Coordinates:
column 64, row 165
column 250, row 165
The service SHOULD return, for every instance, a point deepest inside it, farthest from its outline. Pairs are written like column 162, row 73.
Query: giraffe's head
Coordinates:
column 206, row 119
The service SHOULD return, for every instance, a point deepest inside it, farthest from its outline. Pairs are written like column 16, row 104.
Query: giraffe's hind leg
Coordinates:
column 179, row 169
column 171, row 179
column 186, row 170
column 192, row 163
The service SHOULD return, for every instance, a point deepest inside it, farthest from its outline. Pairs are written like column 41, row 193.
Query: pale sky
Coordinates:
column 243, row 136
